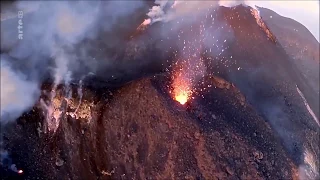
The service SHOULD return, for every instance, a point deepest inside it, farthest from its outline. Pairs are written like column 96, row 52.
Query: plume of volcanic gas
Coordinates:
column 51, row 33
column 167, row 10
column 14, row 87
column 18, row 92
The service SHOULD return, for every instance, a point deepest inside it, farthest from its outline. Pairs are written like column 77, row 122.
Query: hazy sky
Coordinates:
column 306, row 12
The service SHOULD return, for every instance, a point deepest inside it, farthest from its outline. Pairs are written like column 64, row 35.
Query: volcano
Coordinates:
column 253, row 113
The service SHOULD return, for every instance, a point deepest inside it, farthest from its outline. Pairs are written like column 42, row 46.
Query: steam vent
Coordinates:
column 212, row 92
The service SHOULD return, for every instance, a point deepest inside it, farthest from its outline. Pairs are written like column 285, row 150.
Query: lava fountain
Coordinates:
column 181, row 90
column 181, row 86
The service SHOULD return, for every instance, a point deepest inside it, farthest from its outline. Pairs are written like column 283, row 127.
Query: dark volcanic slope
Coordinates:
column 139, row 132
column 257, row 128
column 260, row 68
column 298, row 42
column 295, row 38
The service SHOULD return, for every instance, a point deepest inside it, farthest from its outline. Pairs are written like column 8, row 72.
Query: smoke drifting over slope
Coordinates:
column 52, row 32
column 50, row 36
column 17, row 92
column 171, row 9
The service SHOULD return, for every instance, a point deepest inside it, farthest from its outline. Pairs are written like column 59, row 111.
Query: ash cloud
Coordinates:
column 167, row 10
column 52, row 33
column 17, row 92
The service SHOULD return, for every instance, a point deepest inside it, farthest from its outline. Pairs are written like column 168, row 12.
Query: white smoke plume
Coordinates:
column 17, row 92
column 51, row 32
column 167, row 10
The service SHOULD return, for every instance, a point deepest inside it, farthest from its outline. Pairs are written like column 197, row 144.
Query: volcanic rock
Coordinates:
column 249, row 123
column 139, row 134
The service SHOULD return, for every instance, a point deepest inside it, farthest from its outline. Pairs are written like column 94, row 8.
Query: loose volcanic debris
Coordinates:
column 139, row 133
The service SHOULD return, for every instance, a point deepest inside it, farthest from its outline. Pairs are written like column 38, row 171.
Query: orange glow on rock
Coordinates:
column 182, row 98
column 181, row 86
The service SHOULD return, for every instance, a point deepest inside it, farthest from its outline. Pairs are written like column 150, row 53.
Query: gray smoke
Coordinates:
column 209, row 35
column 17, row 91
column 167, row 10
column 52, row 31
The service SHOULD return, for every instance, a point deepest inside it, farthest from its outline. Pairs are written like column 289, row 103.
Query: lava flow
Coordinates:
column 144, row 24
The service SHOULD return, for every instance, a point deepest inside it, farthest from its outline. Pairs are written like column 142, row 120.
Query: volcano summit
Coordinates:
column 219, row 93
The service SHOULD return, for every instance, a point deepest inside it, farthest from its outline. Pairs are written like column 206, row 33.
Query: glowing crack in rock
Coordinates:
column 256, row 14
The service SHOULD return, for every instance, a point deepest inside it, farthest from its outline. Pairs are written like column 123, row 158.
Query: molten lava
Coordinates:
column 182, row 98
column 144, row 24
column 181, row 87
column 256, row 14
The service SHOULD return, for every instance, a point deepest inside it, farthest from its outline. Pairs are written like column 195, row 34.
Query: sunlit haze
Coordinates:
column 305, row 12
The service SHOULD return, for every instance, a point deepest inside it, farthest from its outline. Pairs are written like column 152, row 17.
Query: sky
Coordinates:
column 305, row 12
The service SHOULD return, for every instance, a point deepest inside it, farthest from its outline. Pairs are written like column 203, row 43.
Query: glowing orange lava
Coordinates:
column 144, row 24
column 181, row 90
column 181, row 87
column 182, row 98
